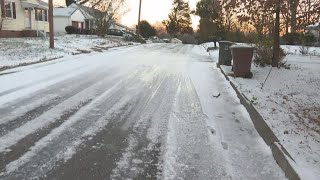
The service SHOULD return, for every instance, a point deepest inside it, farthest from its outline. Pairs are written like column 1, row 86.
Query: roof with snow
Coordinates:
column 63, row 11
column 42, row 3
column 314, row 26
column 87, row 12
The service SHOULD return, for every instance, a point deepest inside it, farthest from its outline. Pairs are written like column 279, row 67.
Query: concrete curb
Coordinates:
column 5, row 68
column 280, row 154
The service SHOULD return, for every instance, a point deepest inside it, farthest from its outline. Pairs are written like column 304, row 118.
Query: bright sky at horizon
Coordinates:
column 153, row 11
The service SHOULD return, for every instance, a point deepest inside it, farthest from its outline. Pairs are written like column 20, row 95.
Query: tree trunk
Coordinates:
column 293, row 9
column 276, row 46
column 2, row 8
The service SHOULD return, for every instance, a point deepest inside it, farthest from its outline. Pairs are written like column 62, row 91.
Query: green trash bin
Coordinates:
column 225, row 56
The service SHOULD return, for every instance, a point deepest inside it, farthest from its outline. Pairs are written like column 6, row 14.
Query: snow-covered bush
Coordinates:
column 187, row 39
column 304, row 49
column 135, row 38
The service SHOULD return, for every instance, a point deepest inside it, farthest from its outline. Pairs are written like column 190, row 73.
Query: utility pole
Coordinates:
column 138, row 27
column 51, row 33
column 276, row 45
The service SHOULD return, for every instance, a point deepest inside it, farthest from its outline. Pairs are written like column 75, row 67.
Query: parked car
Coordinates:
column 155, row 39
column 127, row 34
column 115, row 32
column 166, row 40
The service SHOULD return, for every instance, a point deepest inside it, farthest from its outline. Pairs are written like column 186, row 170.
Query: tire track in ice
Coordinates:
column 61, row 136
column 37, row 104
column 140, row 159
column 47, row 80
column 21, row 139
column 25, row 143
column 188, row 153
column 94, row 157
column 97, row 157
column 54, row 114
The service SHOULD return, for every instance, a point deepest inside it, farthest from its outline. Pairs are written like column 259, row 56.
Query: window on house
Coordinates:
column 45, row 15
column 41, row 15
column 10, row 9
column 87, row 24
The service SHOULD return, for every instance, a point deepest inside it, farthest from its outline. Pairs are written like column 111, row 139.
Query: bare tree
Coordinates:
column 259, row 14
column 106, row 12
column 297, row 14
column 160, row 28
column 308, row 12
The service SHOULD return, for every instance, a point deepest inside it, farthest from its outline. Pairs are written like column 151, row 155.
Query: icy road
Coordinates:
column 144, row 112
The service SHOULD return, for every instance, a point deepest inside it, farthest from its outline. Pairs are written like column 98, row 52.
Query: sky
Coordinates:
column 153, row 11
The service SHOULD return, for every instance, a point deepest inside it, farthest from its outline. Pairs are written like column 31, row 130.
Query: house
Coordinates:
column 315, row 30
column 23, row 18
column 115, row 25
column 76, row 15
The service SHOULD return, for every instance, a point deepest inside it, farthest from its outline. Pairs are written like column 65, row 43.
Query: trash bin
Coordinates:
column 225, row 56
column 242, row 59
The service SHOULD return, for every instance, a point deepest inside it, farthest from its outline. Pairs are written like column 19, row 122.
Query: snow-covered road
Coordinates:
column 142, row 112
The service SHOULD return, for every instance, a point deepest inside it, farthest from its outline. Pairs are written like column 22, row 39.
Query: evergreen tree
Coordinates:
column 179, row 18
column 69, row 2
column 146, row 30
column 211, row 21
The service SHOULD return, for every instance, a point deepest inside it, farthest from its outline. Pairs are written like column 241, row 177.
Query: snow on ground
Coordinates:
column 209, row 44
column 290, row 103
column 151, row 105
column 15, row 51
column 312, row 51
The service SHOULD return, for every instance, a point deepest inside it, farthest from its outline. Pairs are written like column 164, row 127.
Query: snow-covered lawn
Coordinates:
column 16, row 51
column 290, row 103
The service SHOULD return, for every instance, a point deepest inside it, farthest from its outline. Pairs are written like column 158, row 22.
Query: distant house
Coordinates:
column 23, row 18
column 315, row 30
column 115, row 25
column 76, row 15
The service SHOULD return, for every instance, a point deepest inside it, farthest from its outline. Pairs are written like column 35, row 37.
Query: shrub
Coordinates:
column 308, row 39
column 304, row 49
column 87, row 31
column 135, row 38
column 164, row 36
column 293, row 38
column 264, row 53
column 187, row 39
column 236, row 36
column 71, row 29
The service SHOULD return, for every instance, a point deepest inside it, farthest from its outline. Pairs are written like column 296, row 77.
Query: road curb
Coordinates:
column 280, row 154
column 5, row 68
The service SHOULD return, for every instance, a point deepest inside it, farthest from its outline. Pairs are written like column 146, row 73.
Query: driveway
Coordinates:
column 155, row 111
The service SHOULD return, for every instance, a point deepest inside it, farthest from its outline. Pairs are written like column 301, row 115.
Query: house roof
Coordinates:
column 314, row 26
column 91, row 11
column 87, row 12
column 34, row 4
column 63, row 11
column 42, row 3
